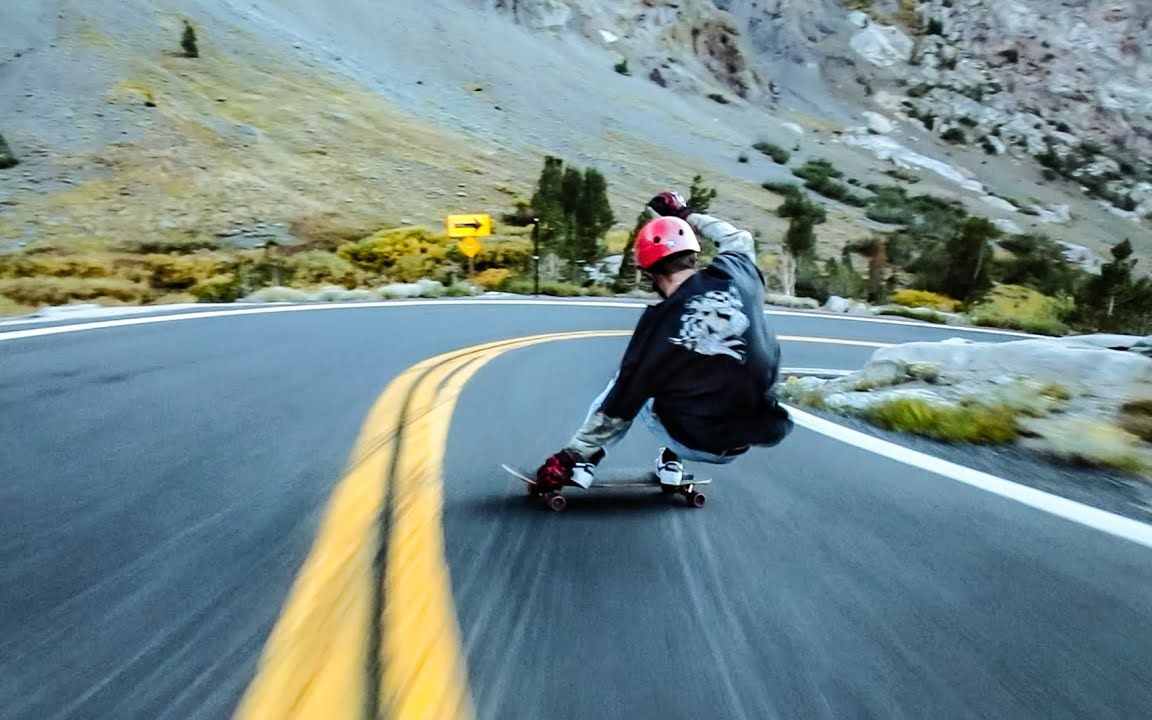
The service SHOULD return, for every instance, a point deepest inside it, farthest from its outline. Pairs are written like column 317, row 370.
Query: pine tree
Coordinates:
column 188, row 42
column 1100, row 296
column 798, row 258
column 700, row 196
column 7, row 159
column 546, row 202
column 968, row 255
column 594, row 215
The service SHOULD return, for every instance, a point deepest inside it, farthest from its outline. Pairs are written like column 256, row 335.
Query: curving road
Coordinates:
column 162, row 484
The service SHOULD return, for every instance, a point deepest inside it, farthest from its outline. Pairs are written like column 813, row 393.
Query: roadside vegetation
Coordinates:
column 938, row 259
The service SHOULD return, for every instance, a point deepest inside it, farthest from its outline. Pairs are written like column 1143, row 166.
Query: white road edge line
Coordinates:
column 316, row 307
column 1111, row 523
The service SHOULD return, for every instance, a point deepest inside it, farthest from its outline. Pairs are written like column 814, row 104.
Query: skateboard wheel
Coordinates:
column 557, row 503
column 697, row 500
column 668, row 489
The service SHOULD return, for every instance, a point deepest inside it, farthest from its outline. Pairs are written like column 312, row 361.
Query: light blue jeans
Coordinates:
column 648, row 415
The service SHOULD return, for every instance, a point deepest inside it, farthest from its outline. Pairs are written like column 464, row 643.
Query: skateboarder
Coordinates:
column 701, row 365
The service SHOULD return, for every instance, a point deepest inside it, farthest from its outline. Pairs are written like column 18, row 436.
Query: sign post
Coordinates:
column 467, row 229
column 536, row 254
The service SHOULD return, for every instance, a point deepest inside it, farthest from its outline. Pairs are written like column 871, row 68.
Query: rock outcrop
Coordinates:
column 690, row 44
column 1068, row 83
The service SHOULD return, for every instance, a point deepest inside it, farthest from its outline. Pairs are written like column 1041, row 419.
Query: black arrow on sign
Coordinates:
column 475, row 225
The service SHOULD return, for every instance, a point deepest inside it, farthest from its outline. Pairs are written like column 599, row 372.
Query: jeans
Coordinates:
column 648, row 415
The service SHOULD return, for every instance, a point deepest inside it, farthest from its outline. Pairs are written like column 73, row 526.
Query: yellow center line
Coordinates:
column 319, row 659
column 369, row 627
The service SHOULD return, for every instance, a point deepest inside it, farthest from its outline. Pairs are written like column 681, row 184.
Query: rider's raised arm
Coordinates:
column 726, row 236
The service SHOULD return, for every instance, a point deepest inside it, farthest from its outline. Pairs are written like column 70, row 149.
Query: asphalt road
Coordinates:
column 161, row 484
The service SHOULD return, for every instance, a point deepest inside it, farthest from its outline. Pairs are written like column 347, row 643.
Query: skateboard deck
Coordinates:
column 555, row 501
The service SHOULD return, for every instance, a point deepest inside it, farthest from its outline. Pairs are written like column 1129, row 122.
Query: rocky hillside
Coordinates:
column 1067, row 83
column 297, row 117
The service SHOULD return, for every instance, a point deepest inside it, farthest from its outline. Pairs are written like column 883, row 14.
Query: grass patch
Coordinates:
column 554, row 288
column 821, row 177
column 1092, row 442
column 785, row 189
column 1136, row 418
column 1015, row 307
column 777, row 153
column 969, row 423
column 955, row 136
column 802, row 391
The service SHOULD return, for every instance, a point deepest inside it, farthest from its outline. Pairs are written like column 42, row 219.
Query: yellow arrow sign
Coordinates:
column 468, row 226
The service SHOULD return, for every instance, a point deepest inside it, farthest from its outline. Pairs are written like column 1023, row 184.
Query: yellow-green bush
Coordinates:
column 515, row 254
column 40, row 291
column 493, row 278
column 221, row 288
column 405, row 255
column 525, row 286
column 317, row 267
column 74, row 266
column 924, row 299
column 11, row 307
column 1016, row 307
column 1136, row 418
column 970, row 423
column 173, row 273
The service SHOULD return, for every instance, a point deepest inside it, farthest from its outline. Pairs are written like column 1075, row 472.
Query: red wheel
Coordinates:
column 557, row 503
column 697, row 500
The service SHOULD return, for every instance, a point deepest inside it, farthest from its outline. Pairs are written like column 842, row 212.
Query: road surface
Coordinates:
column 163, row 488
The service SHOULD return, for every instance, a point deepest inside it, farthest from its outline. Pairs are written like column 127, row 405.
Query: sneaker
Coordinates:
column 669, row 469
column 583, row 474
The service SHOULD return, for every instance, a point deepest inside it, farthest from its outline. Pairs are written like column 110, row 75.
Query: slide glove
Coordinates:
column 556, row 472
column 670, row 204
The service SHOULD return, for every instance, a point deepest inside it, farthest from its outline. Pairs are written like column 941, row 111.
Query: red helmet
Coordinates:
column 663, row 237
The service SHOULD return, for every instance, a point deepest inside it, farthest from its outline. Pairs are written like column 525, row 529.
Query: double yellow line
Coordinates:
column 369, row 631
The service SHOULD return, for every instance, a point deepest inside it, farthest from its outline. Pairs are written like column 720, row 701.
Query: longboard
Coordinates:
column 556, row 501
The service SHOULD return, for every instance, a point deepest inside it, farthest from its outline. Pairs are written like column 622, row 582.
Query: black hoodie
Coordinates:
column 705, row 356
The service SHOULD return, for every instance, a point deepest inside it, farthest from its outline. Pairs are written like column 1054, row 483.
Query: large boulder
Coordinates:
column 883, row 45
column 1093, row 370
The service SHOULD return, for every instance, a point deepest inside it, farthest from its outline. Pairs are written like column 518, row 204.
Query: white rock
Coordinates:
column 792, row 127
column 1082, row 257
column 885, row 148
column 859, row 18
column 999, row 203
column 877, row 123
column 792, row 302
column 1094, row 370
column 608, row 36
column 1007, row 226
column 545, row 14
column 1059, row 214
column 883, row 45
column 837, row 304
